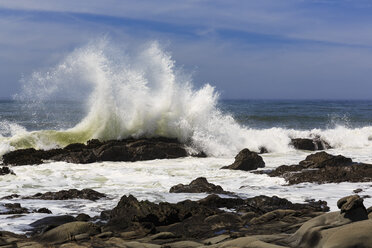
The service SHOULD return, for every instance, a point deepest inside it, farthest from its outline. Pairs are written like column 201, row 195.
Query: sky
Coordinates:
column 247, row 49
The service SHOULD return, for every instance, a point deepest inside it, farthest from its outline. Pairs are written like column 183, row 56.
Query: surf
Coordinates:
column 142, row 93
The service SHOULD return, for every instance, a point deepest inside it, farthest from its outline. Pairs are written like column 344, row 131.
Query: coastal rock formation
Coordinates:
column 96, row 151
column 17, row 209
column 268, row 222
column 199, row 185
column 322, row 167
column 246, row 160
column 88, row 194
column 315, row 144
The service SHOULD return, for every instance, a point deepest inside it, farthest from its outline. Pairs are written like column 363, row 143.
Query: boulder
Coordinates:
column 47, row 223
column 69, row 231
column 199, row 185
column 246, row 160
column 316, row 232
column 315, row 144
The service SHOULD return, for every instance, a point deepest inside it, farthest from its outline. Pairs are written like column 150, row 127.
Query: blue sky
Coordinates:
column 281, row 49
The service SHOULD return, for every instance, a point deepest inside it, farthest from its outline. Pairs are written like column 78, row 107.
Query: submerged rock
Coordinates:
column 322, row 167
column 246, row 160
column 199, row 185
column 5, row 171
column 96, row 151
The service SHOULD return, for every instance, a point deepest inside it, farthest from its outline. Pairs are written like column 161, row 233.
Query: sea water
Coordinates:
column 99, row 91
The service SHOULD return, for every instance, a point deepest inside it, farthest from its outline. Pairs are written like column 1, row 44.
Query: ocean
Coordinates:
column 144, row 95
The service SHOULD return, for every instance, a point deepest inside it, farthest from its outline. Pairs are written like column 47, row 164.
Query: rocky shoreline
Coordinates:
column 259, row 221
column 222, row 219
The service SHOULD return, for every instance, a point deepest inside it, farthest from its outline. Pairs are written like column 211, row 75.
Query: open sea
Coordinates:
column 147, row 97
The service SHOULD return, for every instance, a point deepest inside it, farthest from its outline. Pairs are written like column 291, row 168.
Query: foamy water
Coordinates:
column 143, row 94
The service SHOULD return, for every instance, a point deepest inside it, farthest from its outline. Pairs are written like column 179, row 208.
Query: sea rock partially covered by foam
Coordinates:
column 322, row 167
column 246, row 160
column 96, row 151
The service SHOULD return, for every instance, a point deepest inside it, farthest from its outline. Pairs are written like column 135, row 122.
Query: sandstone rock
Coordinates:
column 47, row 223
column 69, row 231
column 246, row 160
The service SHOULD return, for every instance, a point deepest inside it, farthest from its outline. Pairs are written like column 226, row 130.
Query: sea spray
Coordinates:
column 141, row 93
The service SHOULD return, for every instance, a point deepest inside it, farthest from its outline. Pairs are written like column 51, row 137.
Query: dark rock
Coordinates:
column 8, row 197
column 22, row 157
column 199, row 185
column 349, row 203
column 214, row 201
column 14, row 208
column 5, row 171
column 315, row 144
column 88, row 194
column 68, row 231
column 43, row 210
column 51, row 222
column 356, row 191
column 263, row 150
column 130, row 210
column 96, row 151
column 323, row 159
column 82, row 217
column 322, row 167
column 246, row 160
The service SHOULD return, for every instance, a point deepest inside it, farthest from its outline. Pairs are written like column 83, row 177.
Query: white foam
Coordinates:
column 141, row 93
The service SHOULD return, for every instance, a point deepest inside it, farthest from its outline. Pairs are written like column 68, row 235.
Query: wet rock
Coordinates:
column 199, row 185
column 130, row 210
column 14, row 208
column 82, row 217
column 356, row 191
column 96, row 151
column 315, row 144
column 70, row 231
column 263, row 150
column 322, row 167
column 88, row 194
column 43, row 211
column 47, row 223
column 246, row 160
column 6, row 171
column 9, row 197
